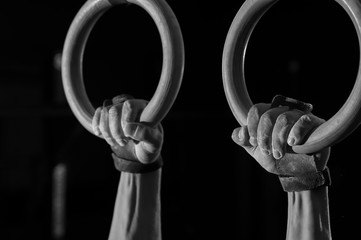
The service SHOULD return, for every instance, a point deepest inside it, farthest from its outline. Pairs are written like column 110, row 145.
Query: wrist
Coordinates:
column 130, row 166
column 306, row 182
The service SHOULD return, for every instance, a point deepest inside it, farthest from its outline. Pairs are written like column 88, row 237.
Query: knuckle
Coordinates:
column 98, row 110
column 113, row 111
column 104, row 112
column 283, row 120
column 263, row 141
column 254, row 111
column 129, row 104
column 305, row 119
column 266, row 120
column 121, row 98
column 128, row 110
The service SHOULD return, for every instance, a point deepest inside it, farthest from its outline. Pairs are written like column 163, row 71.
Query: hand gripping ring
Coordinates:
column 173, row 59
column 336, row 128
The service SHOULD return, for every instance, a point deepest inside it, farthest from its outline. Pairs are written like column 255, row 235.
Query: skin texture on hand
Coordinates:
column 137, row 207
column 130, row 139
column 269, row 135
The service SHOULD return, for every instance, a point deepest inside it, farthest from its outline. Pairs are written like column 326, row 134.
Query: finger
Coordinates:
column 281, row 129
column 131, row 111
column 121, row 98
column 140, row 132
column 107, row 103
column 302, row 128
column 104, row 128
column 241, row 137
column 253, row 117
column 115, row 124
column 95, row 122
column 265, row 128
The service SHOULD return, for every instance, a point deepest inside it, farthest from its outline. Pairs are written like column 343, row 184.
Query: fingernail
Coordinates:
column 306, row 118
column 240, row 135
column 253, row 141
column 266, row 151
column 291, row 141
column 277, row 154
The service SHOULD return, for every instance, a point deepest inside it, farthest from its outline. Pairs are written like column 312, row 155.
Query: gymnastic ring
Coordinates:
column 173, row 59
column 345, row 121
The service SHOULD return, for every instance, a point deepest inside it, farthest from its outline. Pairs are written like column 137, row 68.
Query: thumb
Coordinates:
column 240, row 136
column 143, row 133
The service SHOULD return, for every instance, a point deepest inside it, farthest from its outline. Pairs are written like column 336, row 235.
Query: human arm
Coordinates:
column 136, row 146
column 308, row 215
column 137, row 207
column 268, row 137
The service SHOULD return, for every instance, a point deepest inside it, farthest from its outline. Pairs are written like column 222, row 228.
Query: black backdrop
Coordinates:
column 210, row 187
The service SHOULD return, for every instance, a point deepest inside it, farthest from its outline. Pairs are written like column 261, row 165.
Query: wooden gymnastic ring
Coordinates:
column 173, row 59
column 336, row 128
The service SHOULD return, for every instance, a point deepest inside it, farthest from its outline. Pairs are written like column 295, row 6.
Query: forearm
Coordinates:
column 308, row 215
column 137, row 207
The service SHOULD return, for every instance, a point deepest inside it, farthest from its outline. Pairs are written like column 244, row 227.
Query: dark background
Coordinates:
column 210, row 186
